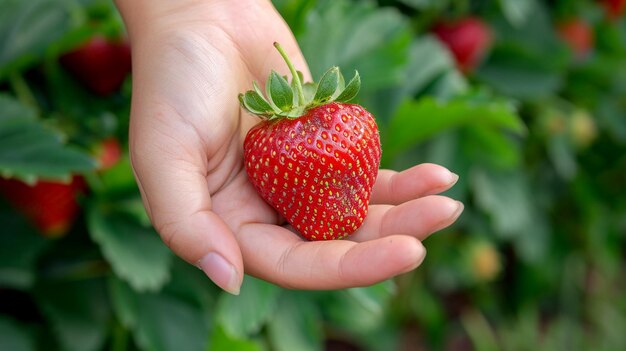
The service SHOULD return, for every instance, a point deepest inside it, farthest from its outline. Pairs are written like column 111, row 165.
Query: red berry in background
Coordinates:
column 316, row 160
column 101, row 64
column 51, row 206
column 108, row 153
column 614, row 8
column 578, row 35
column 468, row 40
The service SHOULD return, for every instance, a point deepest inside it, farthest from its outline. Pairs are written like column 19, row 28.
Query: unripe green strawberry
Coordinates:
column 314, row 158
column 485, row 262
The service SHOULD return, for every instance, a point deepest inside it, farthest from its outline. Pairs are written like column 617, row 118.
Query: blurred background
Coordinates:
column 524, row 99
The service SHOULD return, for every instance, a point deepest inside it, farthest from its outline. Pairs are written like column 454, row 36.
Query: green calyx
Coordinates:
column 292, row 100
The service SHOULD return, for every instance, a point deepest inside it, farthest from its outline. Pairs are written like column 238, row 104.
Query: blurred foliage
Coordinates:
column 536, row 132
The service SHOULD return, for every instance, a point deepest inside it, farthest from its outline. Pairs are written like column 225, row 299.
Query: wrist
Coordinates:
column 141, row 16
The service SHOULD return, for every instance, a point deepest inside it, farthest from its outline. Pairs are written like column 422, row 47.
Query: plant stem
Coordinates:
column 22, row 91
column 120, row 337
column 294, row 73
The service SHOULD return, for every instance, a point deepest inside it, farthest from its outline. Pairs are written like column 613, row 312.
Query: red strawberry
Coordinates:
column 578, row 35
column 614, row 8
column 51, row 206
column 108, row 153
column 314, row 158
column 467, row 39
column 101, row 64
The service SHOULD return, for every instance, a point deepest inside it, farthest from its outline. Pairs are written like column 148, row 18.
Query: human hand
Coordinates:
column 190, row 61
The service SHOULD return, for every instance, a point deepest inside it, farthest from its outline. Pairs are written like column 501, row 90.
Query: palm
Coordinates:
column 187, row 131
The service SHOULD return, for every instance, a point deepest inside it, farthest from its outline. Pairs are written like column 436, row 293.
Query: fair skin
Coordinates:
column 190, row 61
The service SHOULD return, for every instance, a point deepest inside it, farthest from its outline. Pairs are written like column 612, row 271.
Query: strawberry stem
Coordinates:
column 288, row 100
column 294, row 73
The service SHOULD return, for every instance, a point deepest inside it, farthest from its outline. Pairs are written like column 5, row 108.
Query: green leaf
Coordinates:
column 190, row 284
column 309, row 89
column 426, row 4
column 562, row 155
column 357, row 36
column 29, row 150
column 428, row 72
column 296, row 324
column 359, row 310
column 508, row 198
column 135, row 252
column 245, row 314
column 429, row 59
column 78, row 311
column 27, row 28
column 279, row 91
column 518, row 73
column 159, row 321
column 426, row 307
column 20, row 246
column 490, row 146
column 375, row 297
column 449, row 85
column 118, row 179
column 14, row 337
column 351, row 90
column 220, row 340
column 517, row 11
column 256, row 103
column 327, row 86
column 528, row 61
column 417, row 121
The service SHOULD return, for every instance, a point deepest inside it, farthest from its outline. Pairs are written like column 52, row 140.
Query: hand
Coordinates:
column 190, row 61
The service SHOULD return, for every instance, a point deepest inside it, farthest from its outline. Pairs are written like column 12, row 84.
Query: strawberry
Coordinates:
column 614, row 8
column 578, row 35
column 484, row 261
column 468, row 40
column 108, row 153
column 582, row 129
column 314, row 157
column 101, row 64
column 51, row 206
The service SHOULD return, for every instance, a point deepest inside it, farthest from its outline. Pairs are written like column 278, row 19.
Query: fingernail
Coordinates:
column 453, row 178
column 420, row 258
column 221, row 272
column 458, row 210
